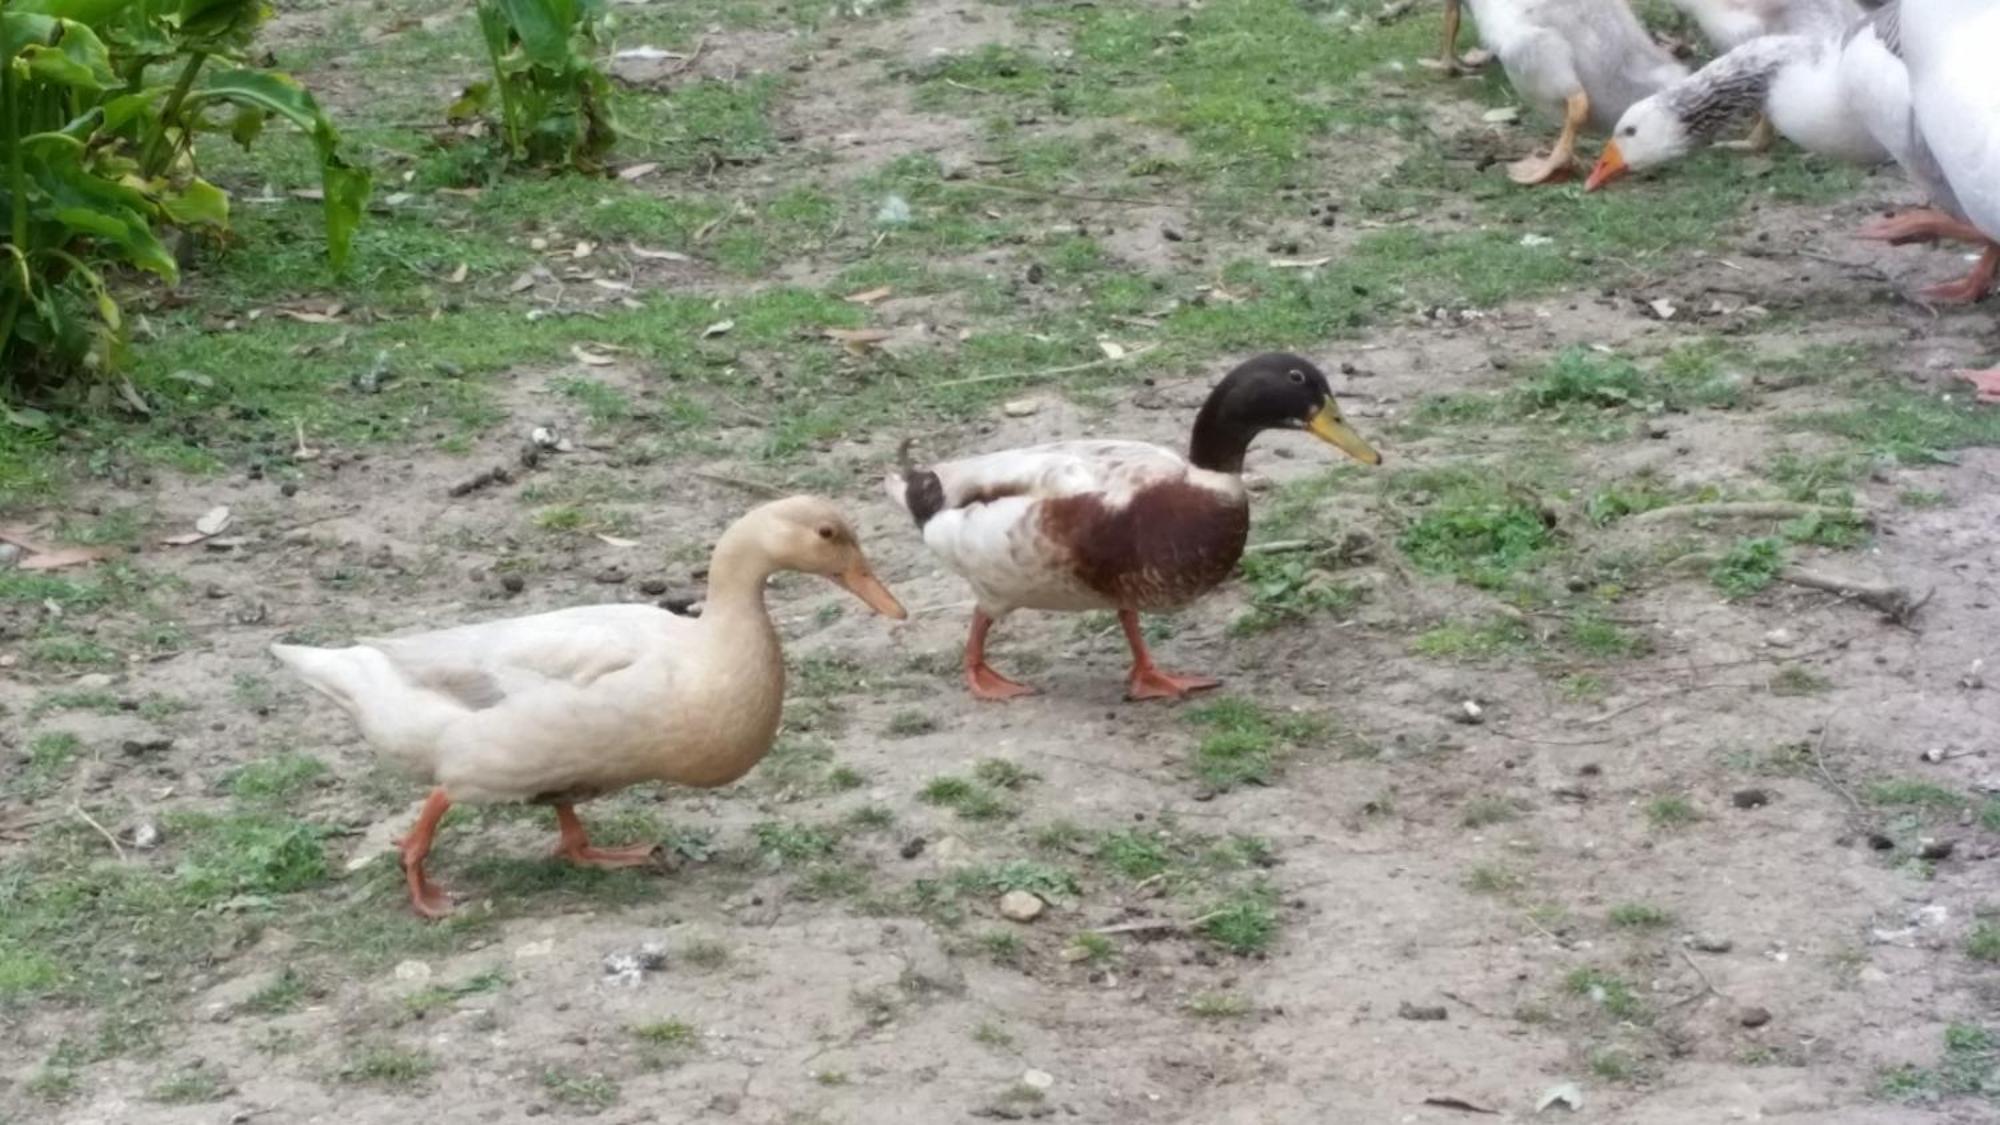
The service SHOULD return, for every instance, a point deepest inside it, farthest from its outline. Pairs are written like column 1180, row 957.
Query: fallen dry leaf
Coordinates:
column 1299, row 263
column 870, row 296
column 586, row 356
column 659, row 255
column 522, row 283
column 717, row 329
column 458, row 275
column 582, row 249
column 213, row 521
column 1111, row 350
column 614, row 541
column 610, row 285
column 1662, row 308
column 304, row 316
column 64, row 556
column 637, row 172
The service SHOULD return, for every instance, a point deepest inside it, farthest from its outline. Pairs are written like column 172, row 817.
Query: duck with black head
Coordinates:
column 1126, row 526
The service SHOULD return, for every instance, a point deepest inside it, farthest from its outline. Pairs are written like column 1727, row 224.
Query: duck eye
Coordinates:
column 1631, row 130
column 1297, row 376
column 826, row 533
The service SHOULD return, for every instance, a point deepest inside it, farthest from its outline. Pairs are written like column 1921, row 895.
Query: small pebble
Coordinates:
column 912, row 847
column 653, row 587
column 1424, row 1012
column 1171, row 235
column 1021, row 906
column 1881, row 842
column 1021, row 407
column 611, row 576
column 1935, row 849
column 513, row 583
column 1708, row 943
column 1781, row 638
column 289, row 488
column 1754, row 1016
column 1037, row 1079
column 1470, row 713
column 1750, row 798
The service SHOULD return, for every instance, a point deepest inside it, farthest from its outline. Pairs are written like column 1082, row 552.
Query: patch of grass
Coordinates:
column 1909, row 427
column 1245, row 922
column 676, row 1035
column 1608, row 991
column 1640, row 916
column 1217, row 1006
column 1478, row 531
column 1043, row 879
column 48, row 761
column 247, row 854
column 437, row 996
column 1484, row 812
column 870, row 818
column 1002, row 947
column 992, row 1035
column 1493, row 879
column 286, row 993
column 388, row 1065
column 1922, row 498
column 1003, row 774
column 1093, row 948
column 1475, row 640
column 969, row 799
column 705, row 953
column 841, row 779
column 1671, row 810
column 786, row 843
column 1797, row 679
column 276, row 780
column 1983, row 944
column 1969, row 1067
column 1914, row 793
column 1242, row 740
column 1285, row 588
column 192, row 1085
column 586, row 1091
column 1749, row 567
column 911, row 723
column 1612, row 1065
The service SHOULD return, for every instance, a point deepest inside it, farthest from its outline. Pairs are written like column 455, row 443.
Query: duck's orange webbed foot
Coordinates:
column 1147, row 681
column 1972, row 286
column 426, row 898
column 980, row 677
column 1987, row 383
column 1925, row 224
column 575, row 846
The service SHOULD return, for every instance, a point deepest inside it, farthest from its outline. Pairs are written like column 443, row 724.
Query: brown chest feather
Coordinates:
column 1173, row 543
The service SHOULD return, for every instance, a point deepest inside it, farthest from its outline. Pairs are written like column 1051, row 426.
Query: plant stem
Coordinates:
column 152, row 163
column 10, row 133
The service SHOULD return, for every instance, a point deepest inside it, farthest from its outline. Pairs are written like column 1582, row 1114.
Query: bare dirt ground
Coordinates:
column 1536, row 876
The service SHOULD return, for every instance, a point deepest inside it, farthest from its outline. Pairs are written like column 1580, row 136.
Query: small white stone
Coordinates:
column 96, row 681
column 1781, row 638
column 1037, row 1079
column 535, row 949
column 1021, row 407
column 413, row 972
column 1021, row 906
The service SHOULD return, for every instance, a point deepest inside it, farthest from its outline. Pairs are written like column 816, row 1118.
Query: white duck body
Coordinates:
column 1729, row 24
column 565, row 704
column 1952, row 48
column 1553, row 48
column 1018, row 525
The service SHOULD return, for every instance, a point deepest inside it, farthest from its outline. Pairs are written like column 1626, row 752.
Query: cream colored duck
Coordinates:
column 561, row 707
column 1952, row 49
column 1113, row 525
column 1582, row 62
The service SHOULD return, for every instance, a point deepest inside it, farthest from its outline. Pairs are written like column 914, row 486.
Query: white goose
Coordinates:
column 1582, row 62
column 1951, row 48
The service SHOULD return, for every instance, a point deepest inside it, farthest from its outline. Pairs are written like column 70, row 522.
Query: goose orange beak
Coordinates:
column 1610, row 165
column 860, row 581
column 1328, row 427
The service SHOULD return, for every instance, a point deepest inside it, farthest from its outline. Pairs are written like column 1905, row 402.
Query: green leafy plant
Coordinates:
column 555, row 102
column 100, row 105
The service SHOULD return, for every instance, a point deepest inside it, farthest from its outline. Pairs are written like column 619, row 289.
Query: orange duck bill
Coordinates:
column 1610, row 166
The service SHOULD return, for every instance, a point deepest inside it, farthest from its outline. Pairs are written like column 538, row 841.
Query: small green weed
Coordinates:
column 1797, row 679
column 276, row 780
column 1970, row 1067
column 1640, row 916
column 1983, row 944
column 786, row 843
column 386, row 1064
column 1911, row 793
column 586, row 1091
column 192, row 1085
column 1671, row 810
column 1607, row 991
column 1749, row 567
column 1484, row 812
column 1245, row 922
column 1217, row 1006
column 1242, row 741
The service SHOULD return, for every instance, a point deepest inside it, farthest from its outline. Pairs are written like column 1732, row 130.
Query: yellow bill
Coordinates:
column 1328, row 427
column 860, row 581
column 1610, row 165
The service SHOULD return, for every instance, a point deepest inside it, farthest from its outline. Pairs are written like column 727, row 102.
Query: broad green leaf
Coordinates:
column 91, row 13
column 345, row 188
column 64, row 54
column 200, row 203
column 542, row 26
column 89, row 204
column 127, row 108
column 472, row 101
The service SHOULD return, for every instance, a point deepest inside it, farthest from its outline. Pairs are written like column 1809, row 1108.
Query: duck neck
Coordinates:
column 1220, row 439
column 1733, row 87
column 737, row 572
